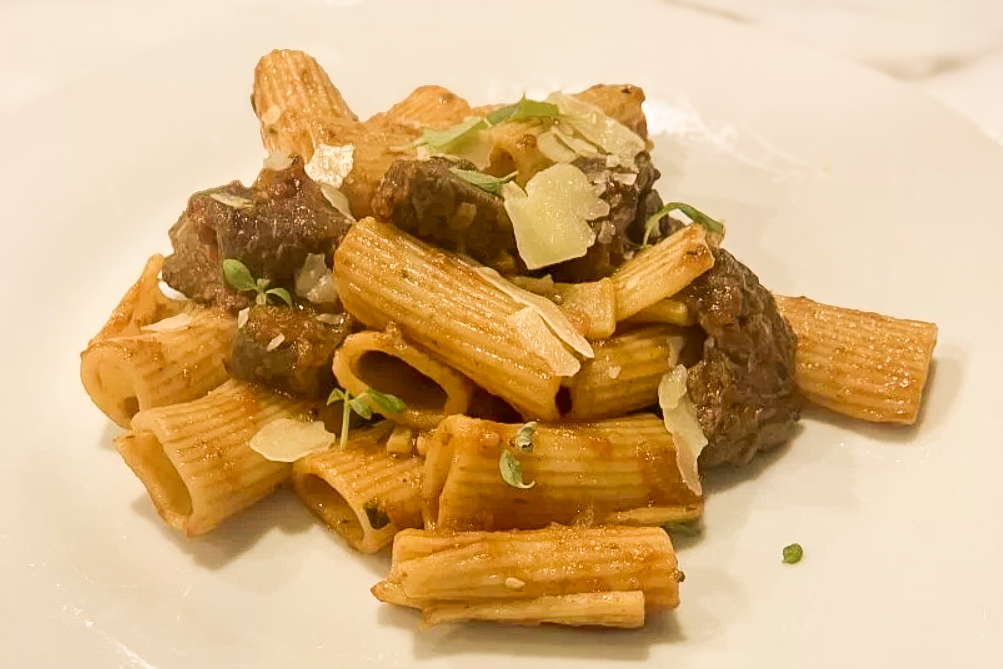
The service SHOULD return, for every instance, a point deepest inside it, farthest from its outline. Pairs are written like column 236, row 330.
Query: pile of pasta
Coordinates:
column 580, row 542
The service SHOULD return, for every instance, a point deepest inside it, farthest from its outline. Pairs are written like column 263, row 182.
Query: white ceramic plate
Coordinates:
column 835, row 182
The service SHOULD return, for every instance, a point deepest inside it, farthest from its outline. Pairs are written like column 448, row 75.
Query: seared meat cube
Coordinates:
column 424, row 198
column 289, row 349
column 743, row 386
column 271, row 227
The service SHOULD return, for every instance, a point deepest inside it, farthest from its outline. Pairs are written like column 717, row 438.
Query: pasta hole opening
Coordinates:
column 331, row 507
column 144, row 454
column 130, row 406
column 563, row 400
column 389, row 374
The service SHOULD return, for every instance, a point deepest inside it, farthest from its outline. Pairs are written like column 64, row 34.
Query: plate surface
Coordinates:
column 835, row 182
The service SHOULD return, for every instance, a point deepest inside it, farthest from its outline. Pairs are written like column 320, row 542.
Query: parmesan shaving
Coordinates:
column 242, row 317
column 315, row 281
column 515, row 583
column 331, row 164
column 550, row 218
column 613, row 372
column 539, row 339
column 271, row 115
column 551, row 314
column 680, row 417
column 604, row 131
column 556, row 150
column 288, row 439
column 172, row 324
column 330, row 319
column 275, row 342
column 337, row 199
column 277, row 160
column 232, row 201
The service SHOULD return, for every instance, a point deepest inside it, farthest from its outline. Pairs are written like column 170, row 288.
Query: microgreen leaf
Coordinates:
column 337, row 395
column 261, row 299
column 386, row 401
column 524, row 108
column 237, row 275
column 511, row 470
column 793, row 554
column 485, row 182
column 360, row 406
column 262, row 284
column 282, row 294
column 523, row 439
column 440, row 140
column 695, row 215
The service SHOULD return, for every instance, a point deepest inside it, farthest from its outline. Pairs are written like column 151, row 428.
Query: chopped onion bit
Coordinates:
column 288, row 439
column 550, row 218
column 232, row 201
column 275, row 342
column 277, row 160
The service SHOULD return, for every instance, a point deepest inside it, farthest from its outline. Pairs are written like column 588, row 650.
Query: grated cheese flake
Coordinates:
column 680, row 417
column 171, row 324
column 275, row 342
column 289, row 439
column 331, row 164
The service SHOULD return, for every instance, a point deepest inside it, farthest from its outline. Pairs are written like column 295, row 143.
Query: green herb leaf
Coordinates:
column 440, row 140
column 237, row 275
column 360, row 406
column 386, row 401
column 793, row 554
column 485, row 182
column 523, row 439
column 524, row 108
column 262, row 284
column 697, row 216
column 691, row 529
column 280, row 293
column 378, row 518
column 261, row 299
column 337, row 395
column 511, row 471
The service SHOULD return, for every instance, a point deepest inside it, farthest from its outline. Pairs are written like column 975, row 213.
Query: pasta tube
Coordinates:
column 595, row 301
column 365, row 494
column 860, row 364
column 576, row 576
column 624, row 375
column 668, row 311
column 195, row 458
column 384, row 361
column 176, row 360
column 445, row 306
column 144, row 303
column 662, row 270
column 580, row 473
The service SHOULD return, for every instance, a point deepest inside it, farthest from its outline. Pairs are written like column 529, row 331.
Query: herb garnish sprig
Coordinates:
column 239, row 276
column 360, row 405
column 509, row 466
column 694, row 214
column 441, row 140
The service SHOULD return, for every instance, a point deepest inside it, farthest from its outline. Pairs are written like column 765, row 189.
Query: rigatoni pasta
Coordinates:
column 573, row 576
column 175, row 360
column 195, row 457
column 363, row 493
column 580, row 472
column 860, row 364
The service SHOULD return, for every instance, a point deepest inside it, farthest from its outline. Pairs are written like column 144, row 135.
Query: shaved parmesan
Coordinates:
column 604, row 131
column 232, row 201
column 242, row 317
column 315, row 281
column 331, row 164
column 539, row 339
column 271, row 115
column 288, row 439
column 275, row 342
column 172, row 324
column 551, row 314
column 552, row 147
column 550, row 218
column 680, row 417
column 277, row 160
column 337, row 199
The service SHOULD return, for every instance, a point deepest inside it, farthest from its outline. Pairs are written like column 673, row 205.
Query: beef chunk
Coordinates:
column 300, row 364
column 743, row 386
column 270, row 227
column 424, row 198
column 631, row 200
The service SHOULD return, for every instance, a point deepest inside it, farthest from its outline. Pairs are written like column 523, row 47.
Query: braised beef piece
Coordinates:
column 300, row 362
column 424, row 198
column 631, row 200
column 743, row 386
column 270, row 227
